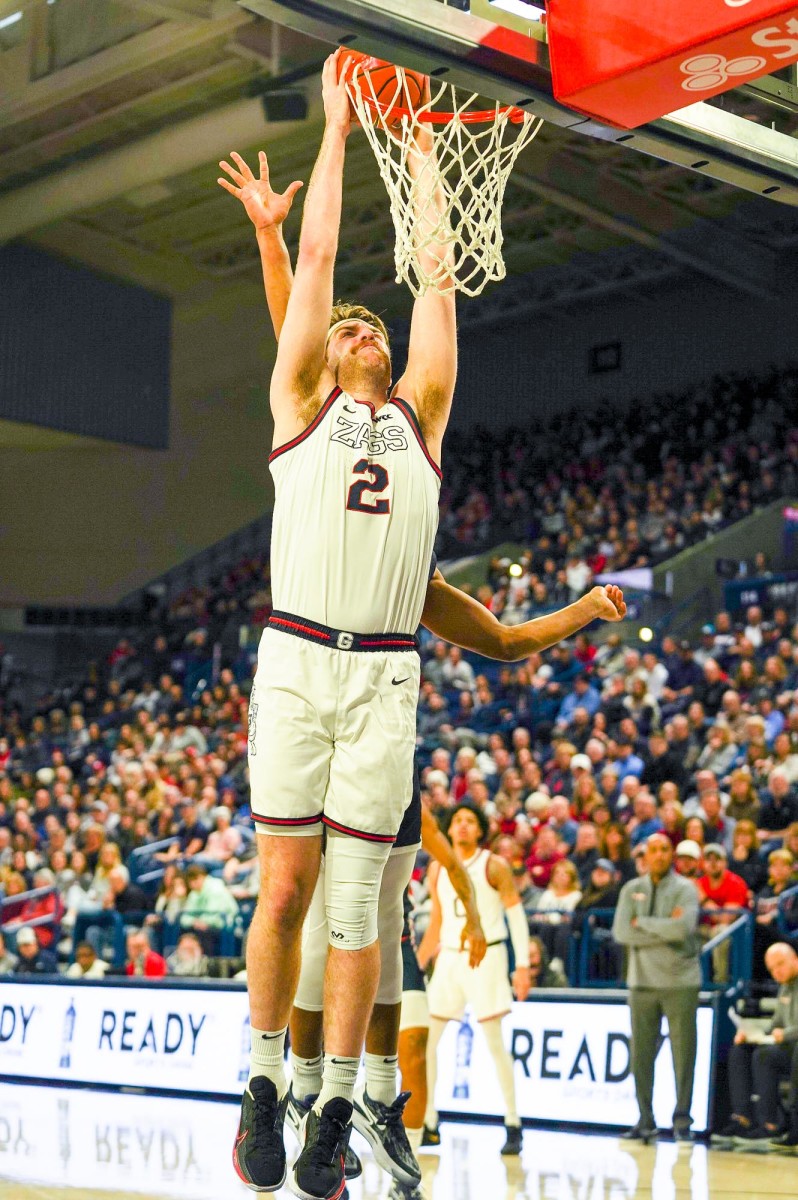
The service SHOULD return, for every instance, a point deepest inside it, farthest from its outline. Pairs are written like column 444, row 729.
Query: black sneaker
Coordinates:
column 755, row 1133
column 382, row 1127
column 786, row 1143
column 729, row 1132
column 430, row 1137
column 259, row 1152
column 318, row 1173
column 514, row 1141
column 640, row 1133
column 295, row 1114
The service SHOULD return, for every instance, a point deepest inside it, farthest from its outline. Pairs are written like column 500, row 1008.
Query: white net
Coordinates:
column 445, row 180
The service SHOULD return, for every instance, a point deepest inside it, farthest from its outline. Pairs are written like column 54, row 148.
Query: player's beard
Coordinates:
column 356, row 372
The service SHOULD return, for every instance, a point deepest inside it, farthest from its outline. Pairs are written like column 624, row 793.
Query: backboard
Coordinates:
column 747, row 137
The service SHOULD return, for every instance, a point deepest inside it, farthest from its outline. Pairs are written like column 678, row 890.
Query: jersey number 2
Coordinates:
column 377, row 482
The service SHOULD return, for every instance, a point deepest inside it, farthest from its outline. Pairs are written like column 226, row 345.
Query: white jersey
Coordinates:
column 355, row 517
column 489, row 905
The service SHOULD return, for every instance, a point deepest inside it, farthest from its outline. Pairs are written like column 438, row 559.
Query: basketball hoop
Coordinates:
column 452, row 199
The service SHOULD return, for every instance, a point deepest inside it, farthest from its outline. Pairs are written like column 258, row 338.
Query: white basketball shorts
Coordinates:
column 455, row 984
column 331, row 738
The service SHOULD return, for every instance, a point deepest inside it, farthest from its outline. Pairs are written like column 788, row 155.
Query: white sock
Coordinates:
column 338, row 1079
column 492, row 1031
column 414, row 1138
column 305, row 1076
column 268, row 1057
column 381, row 1077
column 436, row 1028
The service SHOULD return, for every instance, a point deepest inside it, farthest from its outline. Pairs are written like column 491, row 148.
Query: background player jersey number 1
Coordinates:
column 376, row 482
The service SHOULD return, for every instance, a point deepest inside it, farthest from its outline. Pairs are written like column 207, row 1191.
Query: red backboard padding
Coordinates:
column 627, row 62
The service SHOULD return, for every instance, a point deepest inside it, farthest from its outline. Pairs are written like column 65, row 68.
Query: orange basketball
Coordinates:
column 380, row 81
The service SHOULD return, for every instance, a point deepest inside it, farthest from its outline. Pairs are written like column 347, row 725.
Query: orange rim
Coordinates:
column 477, row 117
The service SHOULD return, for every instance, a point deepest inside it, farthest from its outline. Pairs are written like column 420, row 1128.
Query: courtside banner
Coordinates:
column 571, row 1055
column 167, row 1038
column 571, row 1064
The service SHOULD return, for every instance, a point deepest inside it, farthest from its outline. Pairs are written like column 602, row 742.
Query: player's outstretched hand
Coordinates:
column 609, row 602
column 473, row 937
column 522, row 982
column 265, row 208
column 337, row 108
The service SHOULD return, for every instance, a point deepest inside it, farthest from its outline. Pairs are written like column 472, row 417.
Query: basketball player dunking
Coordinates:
column 333, row 708
column 450, row 614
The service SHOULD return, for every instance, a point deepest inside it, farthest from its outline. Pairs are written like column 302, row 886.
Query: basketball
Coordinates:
column 381, row 81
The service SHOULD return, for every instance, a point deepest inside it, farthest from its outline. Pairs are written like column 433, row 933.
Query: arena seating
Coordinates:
column 118, row 785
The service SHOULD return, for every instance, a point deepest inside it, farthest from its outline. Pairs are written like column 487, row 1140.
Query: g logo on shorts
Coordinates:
column 344, row 641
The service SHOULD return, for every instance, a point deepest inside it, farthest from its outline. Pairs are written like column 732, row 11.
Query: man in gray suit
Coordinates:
column 656, row 920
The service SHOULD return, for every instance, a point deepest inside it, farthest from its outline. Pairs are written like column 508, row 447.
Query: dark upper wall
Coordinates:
column 80, row 352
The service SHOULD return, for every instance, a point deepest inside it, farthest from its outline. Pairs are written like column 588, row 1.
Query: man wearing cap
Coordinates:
column 723, row 896
column 687, row 860
column 32, row 959
column 656, row 920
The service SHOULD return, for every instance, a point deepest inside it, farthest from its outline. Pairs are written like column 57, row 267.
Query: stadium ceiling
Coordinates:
column 113, row 116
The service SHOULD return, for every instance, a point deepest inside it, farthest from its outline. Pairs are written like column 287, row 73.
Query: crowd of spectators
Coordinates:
column 617, row 488
column 124, row 798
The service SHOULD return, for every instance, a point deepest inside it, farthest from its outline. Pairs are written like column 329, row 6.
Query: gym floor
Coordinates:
column 67, row 1144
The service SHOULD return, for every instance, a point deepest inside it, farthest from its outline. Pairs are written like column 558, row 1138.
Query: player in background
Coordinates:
column 485, row 988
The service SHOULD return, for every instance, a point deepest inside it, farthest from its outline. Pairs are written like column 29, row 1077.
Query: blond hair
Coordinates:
column 357, row 312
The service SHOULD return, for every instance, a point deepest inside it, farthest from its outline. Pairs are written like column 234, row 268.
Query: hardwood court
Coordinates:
column 59, row 1144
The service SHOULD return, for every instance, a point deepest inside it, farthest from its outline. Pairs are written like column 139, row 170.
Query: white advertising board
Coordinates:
column 571, row 1064
column 571, row 1057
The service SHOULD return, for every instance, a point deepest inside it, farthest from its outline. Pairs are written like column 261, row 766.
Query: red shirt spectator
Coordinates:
column 720, row 887
column 545, row 853
column 141, row 959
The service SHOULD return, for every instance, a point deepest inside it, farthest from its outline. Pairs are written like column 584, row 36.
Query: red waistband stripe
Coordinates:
column 340, row 639
column 385, row 839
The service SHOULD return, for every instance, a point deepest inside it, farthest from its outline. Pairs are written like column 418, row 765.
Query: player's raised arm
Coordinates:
column 301, row 372
column 267, row 211
column 458, row 618
column 429, row 378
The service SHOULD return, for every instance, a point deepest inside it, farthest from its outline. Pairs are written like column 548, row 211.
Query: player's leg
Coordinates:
column 307, row 1023
column 289, row 756
column 353, row 873
column 447, row 1000
column 378, row 1110
column 368, row 791
column 489, row 994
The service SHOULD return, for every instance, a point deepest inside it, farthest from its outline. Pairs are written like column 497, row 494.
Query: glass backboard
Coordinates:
column 747, row 137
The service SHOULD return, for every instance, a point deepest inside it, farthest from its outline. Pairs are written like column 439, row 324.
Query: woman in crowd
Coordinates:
column 744, row 804
column 551, row 921
column 695, row 830
column 745, row 859
column 614, row 845
column 585, row 798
